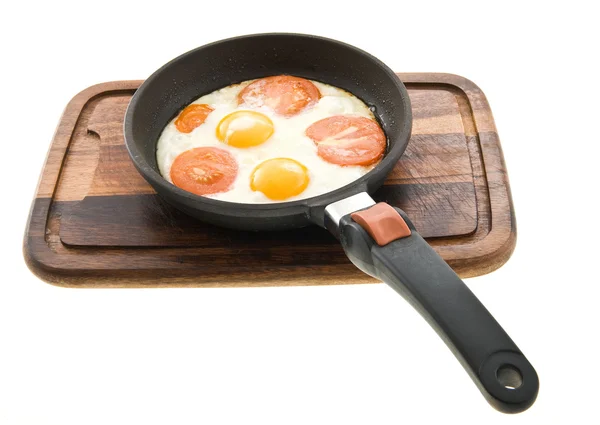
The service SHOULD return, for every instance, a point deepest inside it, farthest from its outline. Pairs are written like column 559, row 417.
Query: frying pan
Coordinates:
column 379, row 239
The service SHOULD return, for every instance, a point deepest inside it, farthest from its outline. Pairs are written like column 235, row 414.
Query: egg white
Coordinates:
column 288, row 141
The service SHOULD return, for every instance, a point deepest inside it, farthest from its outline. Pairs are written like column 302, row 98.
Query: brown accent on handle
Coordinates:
column 96, row 222
column 383, row 223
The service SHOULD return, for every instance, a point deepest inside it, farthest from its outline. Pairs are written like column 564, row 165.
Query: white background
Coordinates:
column 307, row 355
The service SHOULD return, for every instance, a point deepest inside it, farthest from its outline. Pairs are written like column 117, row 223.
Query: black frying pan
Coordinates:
column 408, row 264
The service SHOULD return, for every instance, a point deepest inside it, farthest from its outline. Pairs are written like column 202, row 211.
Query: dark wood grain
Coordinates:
column 96, row 222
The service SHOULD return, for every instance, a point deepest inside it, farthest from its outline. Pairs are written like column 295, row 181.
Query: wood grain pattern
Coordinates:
column 96, row 222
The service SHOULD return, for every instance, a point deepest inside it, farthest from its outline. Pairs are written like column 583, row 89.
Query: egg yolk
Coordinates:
column 244, row 129
column 279, row 178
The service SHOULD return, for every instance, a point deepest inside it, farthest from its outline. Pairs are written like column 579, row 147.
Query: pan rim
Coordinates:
column 361, row 184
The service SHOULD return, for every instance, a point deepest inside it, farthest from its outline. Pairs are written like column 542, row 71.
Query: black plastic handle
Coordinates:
column 419, row 274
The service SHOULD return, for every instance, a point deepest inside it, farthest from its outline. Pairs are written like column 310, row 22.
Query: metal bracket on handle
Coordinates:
column 334, row 212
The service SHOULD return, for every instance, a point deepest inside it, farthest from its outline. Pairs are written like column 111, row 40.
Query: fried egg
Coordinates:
column 268, row 153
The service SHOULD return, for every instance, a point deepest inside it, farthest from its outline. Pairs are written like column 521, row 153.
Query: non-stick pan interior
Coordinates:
column 226, row 62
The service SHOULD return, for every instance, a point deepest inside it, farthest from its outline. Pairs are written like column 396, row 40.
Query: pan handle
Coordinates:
column 382, row 242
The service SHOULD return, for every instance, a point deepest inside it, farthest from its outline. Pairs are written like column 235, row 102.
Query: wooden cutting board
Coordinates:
column 96, row 222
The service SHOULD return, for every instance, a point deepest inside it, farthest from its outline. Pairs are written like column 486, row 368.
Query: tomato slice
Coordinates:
column 192, row 117
column 348, row 140
column 284, row 94
column 204, row 170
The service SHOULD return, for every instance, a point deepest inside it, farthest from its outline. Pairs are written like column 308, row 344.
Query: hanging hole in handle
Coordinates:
column 510, row 382
column 509, row 377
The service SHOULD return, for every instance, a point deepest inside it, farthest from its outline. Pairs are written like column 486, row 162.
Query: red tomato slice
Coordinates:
column 192, row 116
column 284, row 94
column 348, row 140
column 204, row 170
